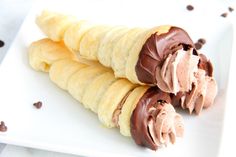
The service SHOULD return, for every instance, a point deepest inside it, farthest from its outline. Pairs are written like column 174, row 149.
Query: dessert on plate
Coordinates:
column 162, row 56
column 132, row 78
column 143, row 112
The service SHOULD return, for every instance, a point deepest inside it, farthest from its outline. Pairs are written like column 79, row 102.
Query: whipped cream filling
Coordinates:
column 177, row 71
column 180, row 74
column 165, row 124
column 201, row 96
column 203, row 93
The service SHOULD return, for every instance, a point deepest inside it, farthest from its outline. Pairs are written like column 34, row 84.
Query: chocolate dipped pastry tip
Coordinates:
column 154, row 122
column 156, row 49
column 172, row 63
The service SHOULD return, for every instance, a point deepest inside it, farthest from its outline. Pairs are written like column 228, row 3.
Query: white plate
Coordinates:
column 63, row 125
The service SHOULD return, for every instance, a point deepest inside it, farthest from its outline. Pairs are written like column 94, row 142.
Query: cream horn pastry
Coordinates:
column 143, row 112
column 163, row 56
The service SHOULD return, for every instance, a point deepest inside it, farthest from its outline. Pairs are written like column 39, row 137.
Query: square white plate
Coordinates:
column 63, row 125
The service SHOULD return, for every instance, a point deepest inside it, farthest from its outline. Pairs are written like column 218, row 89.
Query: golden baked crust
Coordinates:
column 88, row 82
column 117, row 47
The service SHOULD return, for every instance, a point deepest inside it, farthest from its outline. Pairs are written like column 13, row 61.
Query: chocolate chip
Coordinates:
column 190, row 7
column 3, row 127
column 231, row 9
column 201, row 41
column 198, row 45
column 1, row 43
column 38, row 104
column 224, row 15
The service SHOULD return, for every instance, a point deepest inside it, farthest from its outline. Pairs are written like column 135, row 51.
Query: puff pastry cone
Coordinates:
column 143, row 112
column 163, row 56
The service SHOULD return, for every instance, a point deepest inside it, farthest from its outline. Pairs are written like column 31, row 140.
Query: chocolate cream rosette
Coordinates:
column 162, row 56
column 143, row 112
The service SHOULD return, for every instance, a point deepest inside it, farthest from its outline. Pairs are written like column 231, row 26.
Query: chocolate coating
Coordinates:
column 38, row 104
column 156, row 49
column 140, row 116
column 206, row 65
column 3, row 127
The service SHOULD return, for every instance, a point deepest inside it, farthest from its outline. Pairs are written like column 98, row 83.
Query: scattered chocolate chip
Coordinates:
column 3, row 127
column 224, row 15
column 201, row 41
column 1, row 43
column 231, row 9
column 190, row 7
column 198, row 45
column 38, row 104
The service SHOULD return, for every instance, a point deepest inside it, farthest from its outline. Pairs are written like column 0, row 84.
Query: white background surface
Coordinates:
column 15, row 16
